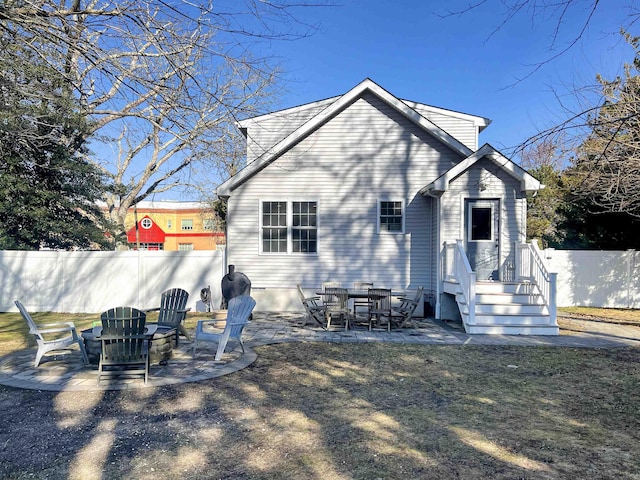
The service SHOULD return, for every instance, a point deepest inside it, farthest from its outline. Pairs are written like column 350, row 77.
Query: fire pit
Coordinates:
column 160, row 347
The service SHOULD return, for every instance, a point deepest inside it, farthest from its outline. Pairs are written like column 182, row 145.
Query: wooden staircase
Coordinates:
column 504, row 308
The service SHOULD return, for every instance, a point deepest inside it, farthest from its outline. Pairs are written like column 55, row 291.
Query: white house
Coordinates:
column 367, row 186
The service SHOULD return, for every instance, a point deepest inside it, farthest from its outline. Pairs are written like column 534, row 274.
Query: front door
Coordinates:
column 482, row 237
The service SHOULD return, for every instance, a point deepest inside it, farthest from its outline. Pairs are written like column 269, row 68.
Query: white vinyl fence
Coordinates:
column 608, row 279
column 91, row 282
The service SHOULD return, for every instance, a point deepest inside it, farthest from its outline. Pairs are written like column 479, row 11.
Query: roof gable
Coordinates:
column 152, row 234
column 337, row 106
column 527, row 182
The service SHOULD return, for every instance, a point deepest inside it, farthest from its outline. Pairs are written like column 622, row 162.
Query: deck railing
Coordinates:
column 531, row 267
column 456, row 267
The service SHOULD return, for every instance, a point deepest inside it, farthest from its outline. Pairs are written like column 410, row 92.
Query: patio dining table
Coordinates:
column 352, row 293
column 364, row 293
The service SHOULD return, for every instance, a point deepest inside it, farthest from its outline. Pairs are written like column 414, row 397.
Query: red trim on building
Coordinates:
column 147, row 235
column 211, row 234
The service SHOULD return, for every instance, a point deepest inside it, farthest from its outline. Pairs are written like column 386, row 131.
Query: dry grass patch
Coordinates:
column 624, row 316
column 349, row 411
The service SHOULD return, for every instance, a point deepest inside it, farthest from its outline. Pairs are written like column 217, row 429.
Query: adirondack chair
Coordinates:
column 125, row 343
column 239, row 309
column 54, row 341
column 403, row 313
column 314, row 310
column 173, row 311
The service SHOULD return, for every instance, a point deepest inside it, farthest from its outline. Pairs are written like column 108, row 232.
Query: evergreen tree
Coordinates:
column 48, row 191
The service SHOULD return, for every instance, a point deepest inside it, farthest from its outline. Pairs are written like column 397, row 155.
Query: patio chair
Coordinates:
column 403, row 313
column 379, row 303
column 314, row 311
column 360, row 302
column 125, row 343
column 54, row 341
column 173, row 311
column 239, row 309
column 336, row 302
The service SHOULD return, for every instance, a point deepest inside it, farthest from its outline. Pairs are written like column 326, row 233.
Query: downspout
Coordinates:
column 438, row 259
column 225, row 263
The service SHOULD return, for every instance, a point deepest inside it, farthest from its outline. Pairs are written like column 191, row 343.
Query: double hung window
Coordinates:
column 390, row 217
column 289, row 227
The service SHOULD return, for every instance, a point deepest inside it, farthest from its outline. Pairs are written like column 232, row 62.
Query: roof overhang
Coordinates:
column 440, row 185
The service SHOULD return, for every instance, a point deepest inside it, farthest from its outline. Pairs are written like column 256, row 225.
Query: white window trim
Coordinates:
column 379, row 212
column 481, row 204
column 289, row 251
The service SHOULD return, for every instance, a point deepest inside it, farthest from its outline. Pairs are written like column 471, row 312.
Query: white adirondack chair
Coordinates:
column 52, row 331
column 238, row 312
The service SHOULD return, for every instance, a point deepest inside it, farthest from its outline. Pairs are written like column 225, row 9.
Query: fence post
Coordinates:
column 629, row 255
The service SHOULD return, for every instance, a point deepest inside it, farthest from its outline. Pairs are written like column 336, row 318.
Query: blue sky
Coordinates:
column 455, row 62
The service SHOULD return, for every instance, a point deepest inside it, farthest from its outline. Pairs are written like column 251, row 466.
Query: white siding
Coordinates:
column 463, row 129
column 265, row 132
column 498, row 185
column 366, row 153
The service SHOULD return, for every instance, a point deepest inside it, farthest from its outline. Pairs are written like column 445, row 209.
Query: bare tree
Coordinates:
column 553, row 14
column 162, row 81
column 606, row 169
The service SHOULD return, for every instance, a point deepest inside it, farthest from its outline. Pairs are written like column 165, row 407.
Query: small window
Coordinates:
column 187, row 224
column 481, row 223
column 169, row 224
column 185, row 246
column 146, row 223
column 208, row 223
column 391, row 217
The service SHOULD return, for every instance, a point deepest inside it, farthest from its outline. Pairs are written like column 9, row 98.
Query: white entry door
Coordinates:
column 482, row 237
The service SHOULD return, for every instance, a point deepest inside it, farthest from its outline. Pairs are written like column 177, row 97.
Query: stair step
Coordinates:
column 509, row 298
column 510, row 309
column 501, row 287
column 497, row 319
column 491, row 329
column 505, row 308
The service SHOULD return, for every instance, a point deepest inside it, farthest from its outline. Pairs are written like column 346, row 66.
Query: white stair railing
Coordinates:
column 531, row 266
column 466, row 278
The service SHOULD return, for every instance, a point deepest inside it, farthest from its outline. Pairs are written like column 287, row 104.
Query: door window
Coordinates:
column 480, row 226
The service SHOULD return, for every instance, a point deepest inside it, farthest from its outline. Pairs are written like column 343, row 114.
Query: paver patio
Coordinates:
column 65, row 372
